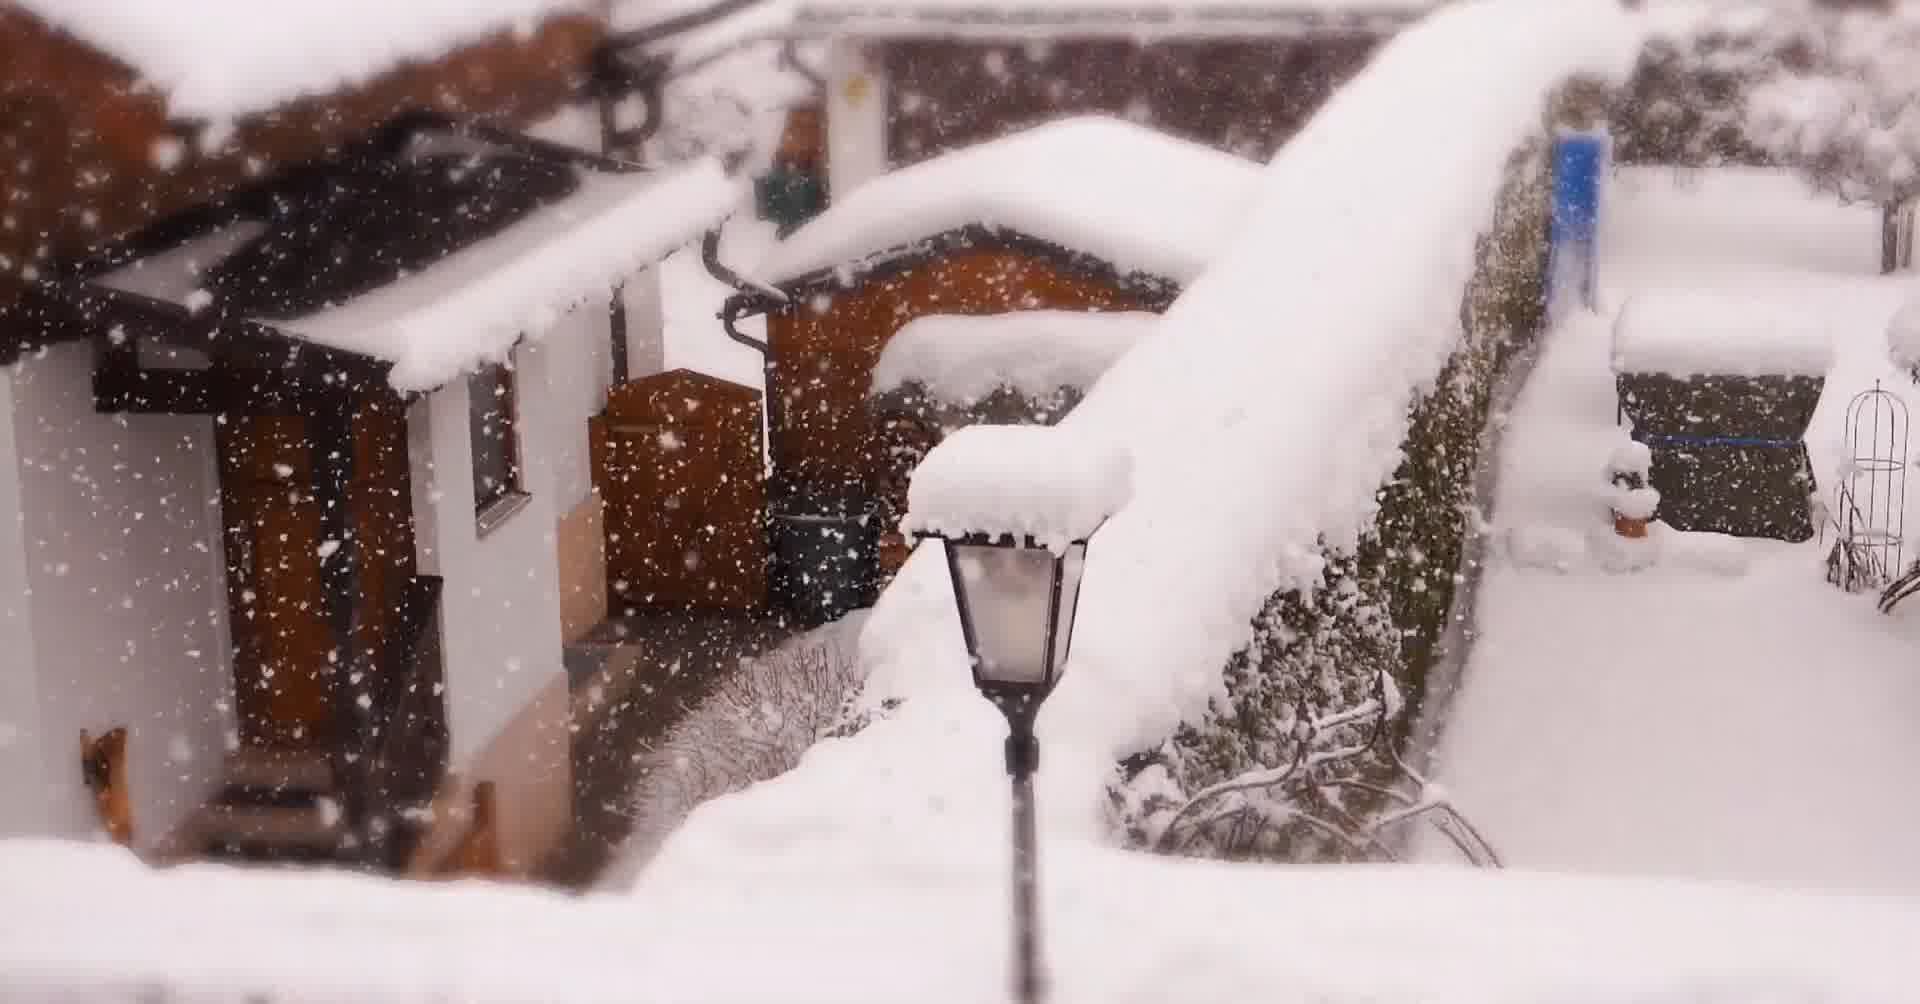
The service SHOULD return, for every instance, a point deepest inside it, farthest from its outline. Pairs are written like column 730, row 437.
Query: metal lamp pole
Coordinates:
column 1023, row 759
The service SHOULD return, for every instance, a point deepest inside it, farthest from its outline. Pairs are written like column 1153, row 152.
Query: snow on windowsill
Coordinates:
column 1036, row 481
column 1684, row 334
column 961, row 359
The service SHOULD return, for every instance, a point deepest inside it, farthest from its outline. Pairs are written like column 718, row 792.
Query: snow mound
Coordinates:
column 474, row 305
column 222, row 59
column 1043, row 482
column 961, row 359
column 1119, row 927
column 1903, row 334
column 1140, row 200
column 1684, row 333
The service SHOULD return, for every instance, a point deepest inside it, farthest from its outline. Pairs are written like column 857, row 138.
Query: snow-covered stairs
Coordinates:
column 274, row 805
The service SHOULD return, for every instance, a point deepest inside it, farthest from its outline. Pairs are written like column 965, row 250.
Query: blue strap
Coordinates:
column 1719, row 441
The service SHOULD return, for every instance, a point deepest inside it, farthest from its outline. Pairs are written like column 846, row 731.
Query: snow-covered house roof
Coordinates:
column 1140, row 200
column 1681, row 333
column 1133, row 18
column 962, row 358
column 221, row 59
column 473, row 304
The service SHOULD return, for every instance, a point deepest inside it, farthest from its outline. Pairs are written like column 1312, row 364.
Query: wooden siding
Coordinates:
column 1246, row 96
column 77, row 143
column 825, row 348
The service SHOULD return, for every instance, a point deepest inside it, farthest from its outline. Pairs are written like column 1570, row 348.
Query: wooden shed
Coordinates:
column 1046, row 219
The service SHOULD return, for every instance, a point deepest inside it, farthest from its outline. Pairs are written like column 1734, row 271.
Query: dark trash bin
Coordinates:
column 826, row 555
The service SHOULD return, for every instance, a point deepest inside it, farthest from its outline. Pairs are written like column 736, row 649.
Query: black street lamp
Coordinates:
column 1016, row 599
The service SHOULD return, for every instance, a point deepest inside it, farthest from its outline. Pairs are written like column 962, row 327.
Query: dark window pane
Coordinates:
column 496, row 468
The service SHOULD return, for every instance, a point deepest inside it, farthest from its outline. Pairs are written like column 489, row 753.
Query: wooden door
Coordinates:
column 677, row 460
column 283, row 685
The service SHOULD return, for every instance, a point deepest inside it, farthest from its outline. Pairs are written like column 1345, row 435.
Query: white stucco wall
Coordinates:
column 856, row 118
column 501, row 613
column 579, row 364
column 120, row 536
column 646, row 323
column 24, row 808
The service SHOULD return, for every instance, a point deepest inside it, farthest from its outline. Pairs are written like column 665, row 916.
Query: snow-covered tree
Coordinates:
column 1829, row 88
column 1851, row 117
column 1688, row 99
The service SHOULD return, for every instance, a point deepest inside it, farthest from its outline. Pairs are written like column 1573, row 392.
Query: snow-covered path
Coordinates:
column 1723, row 713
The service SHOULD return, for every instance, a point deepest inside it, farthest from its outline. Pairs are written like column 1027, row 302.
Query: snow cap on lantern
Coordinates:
column 1054, row 484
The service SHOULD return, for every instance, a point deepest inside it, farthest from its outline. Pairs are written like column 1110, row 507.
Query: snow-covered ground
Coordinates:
column 1722, row 712
column 87, row 924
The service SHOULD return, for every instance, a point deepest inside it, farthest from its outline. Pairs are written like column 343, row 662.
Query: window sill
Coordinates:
column 496, row 513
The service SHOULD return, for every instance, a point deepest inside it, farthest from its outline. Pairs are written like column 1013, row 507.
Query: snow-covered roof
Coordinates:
column 1044, row 482
column 963, row 358
column 1138, row 199
column 1133, row 18
column 221, row 59
column 1683, row 333
column 477, row 302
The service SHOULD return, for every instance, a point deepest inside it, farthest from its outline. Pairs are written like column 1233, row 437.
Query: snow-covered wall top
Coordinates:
column 221, row 59
column 1138, row 199
column 1045, row 482
column 1271, row 406
column 1681, row 333
column 962, row 358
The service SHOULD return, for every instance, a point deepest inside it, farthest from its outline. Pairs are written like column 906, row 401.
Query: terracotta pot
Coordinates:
column 1632, row 529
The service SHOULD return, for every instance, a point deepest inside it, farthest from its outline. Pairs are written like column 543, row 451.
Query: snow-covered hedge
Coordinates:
column 1384, row 604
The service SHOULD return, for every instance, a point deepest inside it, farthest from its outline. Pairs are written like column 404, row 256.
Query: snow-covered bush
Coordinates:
column 755, row 725
column 1382, row 608
column 1850, row 117
column 1687, row 101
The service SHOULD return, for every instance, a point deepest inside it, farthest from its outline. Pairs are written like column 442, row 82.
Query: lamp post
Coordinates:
column 1016, row 600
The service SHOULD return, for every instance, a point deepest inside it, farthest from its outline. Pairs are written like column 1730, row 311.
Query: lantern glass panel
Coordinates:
column 1072, row 565
column 1008, row 597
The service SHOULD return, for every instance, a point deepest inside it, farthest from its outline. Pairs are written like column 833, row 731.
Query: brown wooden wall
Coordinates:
column 677, row 461
column 824, row 349
column 76, row 143
column 1244, row 95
